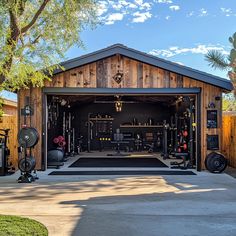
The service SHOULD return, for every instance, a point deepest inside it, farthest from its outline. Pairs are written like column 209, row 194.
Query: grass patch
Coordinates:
column 19, row 226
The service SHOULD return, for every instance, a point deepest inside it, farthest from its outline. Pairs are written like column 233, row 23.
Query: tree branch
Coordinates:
column 13, row 27
column 35, row 17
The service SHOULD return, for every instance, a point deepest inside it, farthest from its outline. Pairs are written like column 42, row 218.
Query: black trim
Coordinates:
column 149, row 59
column 127, row 91
column 44, row 128
column 199, row 135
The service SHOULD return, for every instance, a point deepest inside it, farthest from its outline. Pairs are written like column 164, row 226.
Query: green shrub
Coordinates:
column 19, row 226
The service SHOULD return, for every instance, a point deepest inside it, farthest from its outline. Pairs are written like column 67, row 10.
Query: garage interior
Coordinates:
column 113, row 126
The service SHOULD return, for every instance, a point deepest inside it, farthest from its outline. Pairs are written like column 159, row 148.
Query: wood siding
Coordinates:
column 229, row 138
column 136, row 74
column 9, row 121
column 35, row 95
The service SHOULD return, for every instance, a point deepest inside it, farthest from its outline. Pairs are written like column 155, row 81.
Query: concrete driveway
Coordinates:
column 204, row 204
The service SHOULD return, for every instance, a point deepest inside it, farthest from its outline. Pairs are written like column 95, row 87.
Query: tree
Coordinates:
column 220, row 61
column 229, row 102
column 35, row 34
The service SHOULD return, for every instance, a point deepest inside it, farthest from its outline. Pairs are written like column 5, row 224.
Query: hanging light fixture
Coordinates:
column 118, row 104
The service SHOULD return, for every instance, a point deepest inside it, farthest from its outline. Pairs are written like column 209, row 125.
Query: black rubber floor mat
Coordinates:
column 118, row 162
column 124, row 172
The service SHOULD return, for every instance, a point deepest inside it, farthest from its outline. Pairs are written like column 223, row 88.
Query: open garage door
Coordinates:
column 122, row 123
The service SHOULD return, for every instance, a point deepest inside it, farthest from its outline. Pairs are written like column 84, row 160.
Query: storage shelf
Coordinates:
column 102, row 119
column 141, row 126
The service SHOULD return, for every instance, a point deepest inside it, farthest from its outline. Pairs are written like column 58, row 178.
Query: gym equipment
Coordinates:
column 60, row 141
column 2, row 160
column 56, row 140
column 150, row 147
column 73, row 142
column 62, row 144
column 215, row 162
column 150, row 121
column 27, row 164
column 177, row 165
column 118, row 140
column 135, row 121
column 165, row 152
column 28, row 137
column 5, row 164
column 61, row 138
column 69, row 134
column 55, row 155
column 89, row 125
column 79, row 146
column 64, row 124
column 138, row 142
column 55, row 158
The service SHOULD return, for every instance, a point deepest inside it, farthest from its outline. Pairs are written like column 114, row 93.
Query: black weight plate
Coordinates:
column 208, row 159
column 27, row 164
column 218, row 163
column 28, row 137
column 215, row 162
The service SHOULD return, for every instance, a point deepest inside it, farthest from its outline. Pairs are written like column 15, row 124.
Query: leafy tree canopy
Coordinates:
column 229, row 102
column 35, row 34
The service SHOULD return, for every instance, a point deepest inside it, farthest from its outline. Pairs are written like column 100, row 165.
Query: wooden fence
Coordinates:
column 229, row 137
column 9, row 121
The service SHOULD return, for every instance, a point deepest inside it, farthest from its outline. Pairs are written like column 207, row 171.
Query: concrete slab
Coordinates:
column 125, row 205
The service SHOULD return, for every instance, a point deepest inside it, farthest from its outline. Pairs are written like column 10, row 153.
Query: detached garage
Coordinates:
column 118, row 102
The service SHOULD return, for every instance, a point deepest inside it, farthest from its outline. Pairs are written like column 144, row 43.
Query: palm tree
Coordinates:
column 218, row 60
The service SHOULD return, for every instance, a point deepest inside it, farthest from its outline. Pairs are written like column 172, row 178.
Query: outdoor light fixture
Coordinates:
column 118, row 104
column 118, row 77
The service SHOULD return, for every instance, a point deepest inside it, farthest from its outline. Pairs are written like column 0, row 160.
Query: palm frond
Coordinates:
column 217, row 60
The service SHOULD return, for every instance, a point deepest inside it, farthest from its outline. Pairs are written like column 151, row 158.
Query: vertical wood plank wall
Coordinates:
column 135, row 75
column 9, row 121
column 35, row 121
column 229, row 137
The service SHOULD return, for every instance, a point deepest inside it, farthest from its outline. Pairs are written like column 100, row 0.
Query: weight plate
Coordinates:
column 27, row 164
column 215, row 162
column 28, row 137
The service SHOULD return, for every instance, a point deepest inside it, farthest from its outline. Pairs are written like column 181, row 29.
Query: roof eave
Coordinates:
column 149, row 59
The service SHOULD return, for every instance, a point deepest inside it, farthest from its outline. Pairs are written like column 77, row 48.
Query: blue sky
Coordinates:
column 177, row 30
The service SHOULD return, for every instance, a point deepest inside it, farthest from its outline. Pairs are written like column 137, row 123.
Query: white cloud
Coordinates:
column 199, row 49
column 140, row 17
column 110, row 19
column 203, row 12
column 227, row 11
column 121, row 4
column 102, row 8
column 164, row 1
column 167, row 17
column 190, row 14
column 174, row 8
column 143, row 5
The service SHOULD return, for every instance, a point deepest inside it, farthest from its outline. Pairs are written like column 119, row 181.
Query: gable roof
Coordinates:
column 148, row 59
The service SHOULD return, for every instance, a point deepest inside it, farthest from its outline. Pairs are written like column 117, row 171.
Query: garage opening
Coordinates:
column 122, row 125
